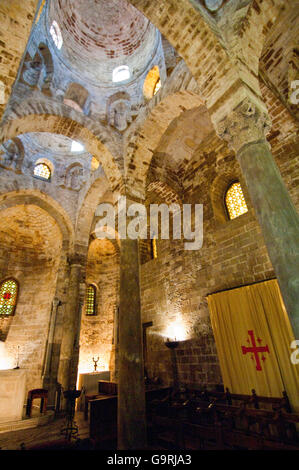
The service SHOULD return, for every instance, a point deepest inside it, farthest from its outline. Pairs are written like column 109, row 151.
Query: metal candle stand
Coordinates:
column 70, row 431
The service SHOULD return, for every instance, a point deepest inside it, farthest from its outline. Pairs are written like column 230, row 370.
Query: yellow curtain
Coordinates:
column 247, row 318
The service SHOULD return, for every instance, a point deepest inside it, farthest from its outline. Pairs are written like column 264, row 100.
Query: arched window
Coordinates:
column 90, row 300
column 234, row 201
column 154, row 248
column 121, row 73
column 42, row 171
column 152, row 83
column 8, row 296
column 56, row 35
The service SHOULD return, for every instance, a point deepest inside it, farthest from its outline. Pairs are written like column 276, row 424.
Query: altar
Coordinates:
column 12, row 394
column 89, row 383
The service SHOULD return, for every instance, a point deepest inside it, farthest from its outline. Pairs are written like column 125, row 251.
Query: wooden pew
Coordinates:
column 221, row 420
column 103, row 416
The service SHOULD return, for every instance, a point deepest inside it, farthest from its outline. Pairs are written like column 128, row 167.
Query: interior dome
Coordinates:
column 99, row 35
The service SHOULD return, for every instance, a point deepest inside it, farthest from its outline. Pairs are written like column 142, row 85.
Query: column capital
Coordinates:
column 246, row 123
column 76, row 259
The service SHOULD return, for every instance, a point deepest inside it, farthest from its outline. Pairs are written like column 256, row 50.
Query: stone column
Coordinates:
column 70, row 321
column 131, row 391
column 244, row 130
column 46, row 374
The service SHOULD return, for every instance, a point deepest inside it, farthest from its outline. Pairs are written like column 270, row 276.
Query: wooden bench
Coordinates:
column 105, row 388
column 103, row 415
column 220, row 420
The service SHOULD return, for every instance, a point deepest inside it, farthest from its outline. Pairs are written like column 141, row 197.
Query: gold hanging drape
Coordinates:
column 249, row 317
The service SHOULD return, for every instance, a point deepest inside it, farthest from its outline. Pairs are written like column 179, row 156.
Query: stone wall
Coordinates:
column 30, row 246
column 97, row 331
column 174, row 286
column 15, row 23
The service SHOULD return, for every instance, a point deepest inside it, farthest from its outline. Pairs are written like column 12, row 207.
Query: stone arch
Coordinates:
column 14, row 154
column 34, row 241
column 102, row 270
column 113, row 241
column 260, row 18
column 192, row 37
column 31, row 70
column 145, row 141
column 38, row 71
column 48, row 69
column 45, row 202
column 97, row 191
column 69, row 128
column 76, row 96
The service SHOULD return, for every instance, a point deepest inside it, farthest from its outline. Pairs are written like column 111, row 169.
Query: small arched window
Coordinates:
column 56, row 35
column 154, row 248
column 8, row 297
column 152, row 83
column 42, row 171
column 235, row 201
column 90, row 300
column 121, row 73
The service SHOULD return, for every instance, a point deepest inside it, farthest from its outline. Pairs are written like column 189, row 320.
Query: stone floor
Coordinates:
column 25, row 438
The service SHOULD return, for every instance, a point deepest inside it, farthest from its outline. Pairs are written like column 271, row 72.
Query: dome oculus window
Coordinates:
column 56, row 35
column 120, row 74
column 42, row 171
column 234, row 201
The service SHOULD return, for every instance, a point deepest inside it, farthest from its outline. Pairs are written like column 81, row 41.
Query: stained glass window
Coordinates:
column 154, row 248
column 235, row 201
column 8, row 296
column 90, row 300
column 42, row 171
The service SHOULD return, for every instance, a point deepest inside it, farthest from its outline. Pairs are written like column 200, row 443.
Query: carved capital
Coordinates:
column 76, row 259
column 246, row 123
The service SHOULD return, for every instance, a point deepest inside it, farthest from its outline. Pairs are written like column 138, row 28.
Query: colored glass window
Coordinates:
column 90, row 300
column 8, row 296
column 235, row 201
column 42, row 171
